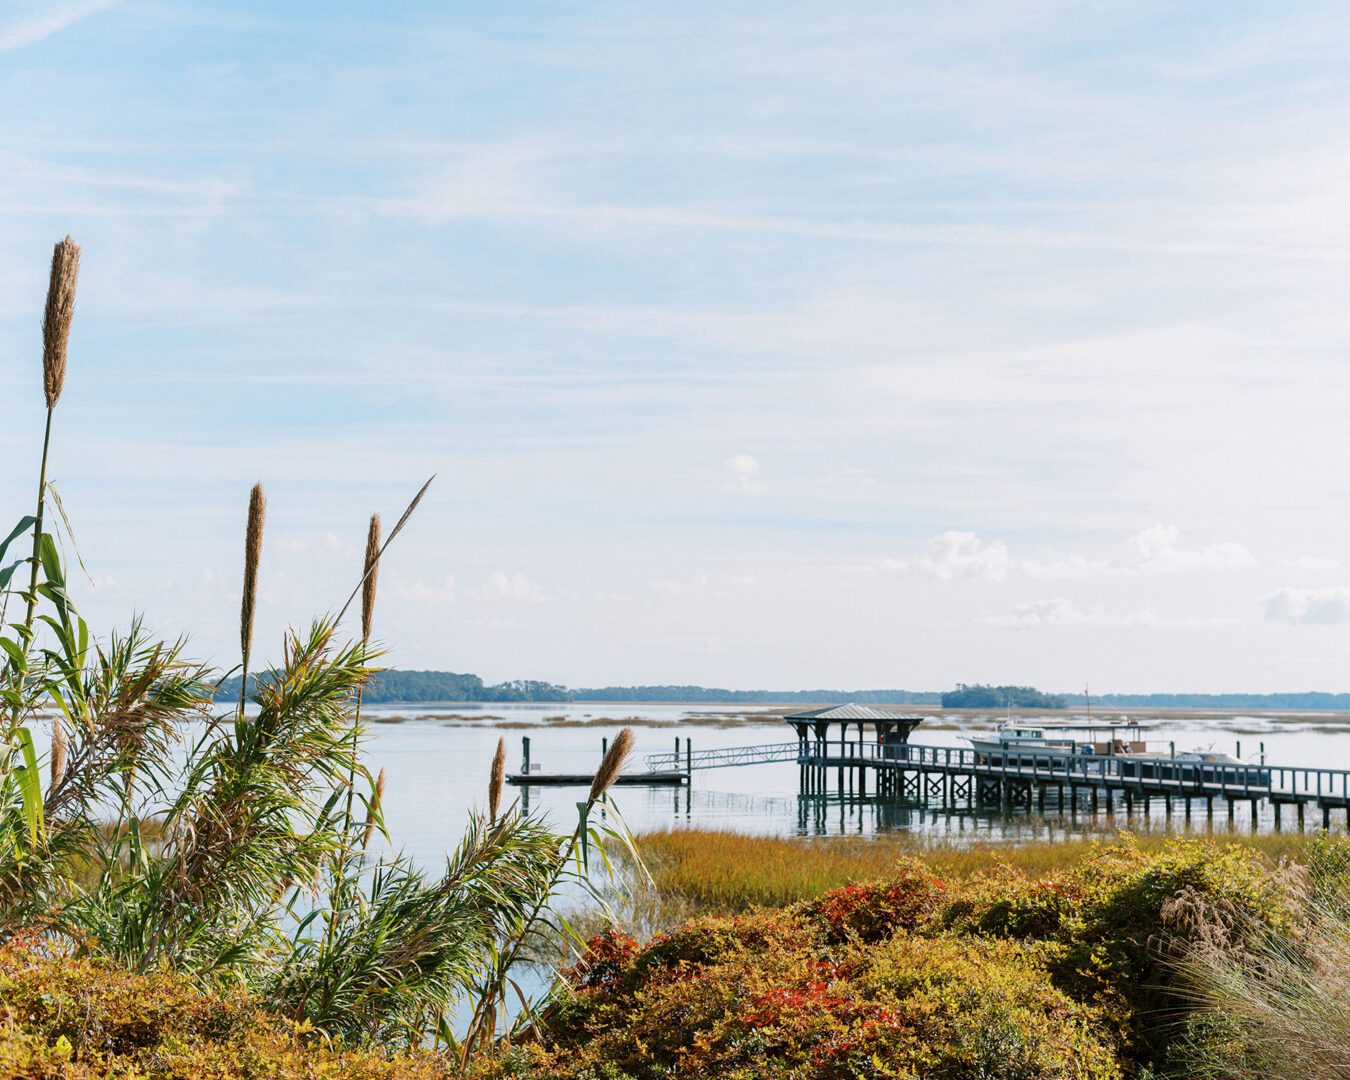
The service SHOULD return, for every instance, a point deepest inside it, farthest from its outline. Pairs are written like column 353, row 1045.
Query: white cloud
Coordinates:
column 1056, row 612
column 1311, row 562
column 1075, row 566
column 1309, row 607
column 1156, row 551
column 509, row 587
column 956, row 554
column 742, row 475
column 443, row 591
column 46, row 21
column 1159, row 553
column 1062, row 612
column 327, row 543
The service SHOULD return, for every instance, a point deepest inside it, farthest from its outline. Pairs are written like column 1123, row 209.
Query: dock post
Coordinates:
column 1209, row 807
column 1326, row 818
column 1040, row 796
column 1228, row 803
column 1073, row 798
column 1167, row 802
column 689, row 761
column 1300, row 815
column 1277, row 817
column 525, row 749
column 1255, row 813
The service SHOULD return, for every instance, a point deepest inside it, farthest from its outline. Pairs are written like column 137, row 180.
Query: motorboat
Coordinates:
column 1110, row 748
column 1019, row 745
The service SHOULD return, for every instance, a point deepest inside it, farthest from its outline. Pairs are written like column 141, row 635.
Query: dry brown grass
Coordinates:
column 723, row 872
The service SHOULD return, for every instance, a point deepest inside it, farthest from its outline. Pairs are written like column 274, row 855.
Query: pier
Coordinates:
column 889, row 766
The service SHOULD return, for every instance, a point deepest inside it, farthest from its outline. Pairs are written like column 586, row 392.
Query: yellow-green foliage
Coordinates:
column 999, row 975
column 726, row 872
column 771, row 999
column 65, row 1017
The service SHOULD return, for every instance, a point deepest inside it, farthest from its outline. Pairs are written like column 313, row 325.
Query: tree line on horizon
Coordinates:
column 405, row 687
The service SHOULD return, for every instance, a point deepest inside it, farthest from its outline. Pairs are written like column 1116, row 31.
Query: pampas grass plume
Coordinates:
column 57, row 317
column 376, row 800
column 498, row 779
column 615, row 758
column 253, row 536
column 58, row 753
column 368, row 584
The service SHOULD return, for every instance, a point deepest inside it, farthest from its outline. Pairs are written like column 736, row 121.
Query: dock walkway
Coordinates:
column 951, row 774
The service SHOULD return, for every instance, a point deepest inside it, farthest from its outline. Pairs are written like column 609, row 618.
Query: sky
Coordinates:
column 791, row 346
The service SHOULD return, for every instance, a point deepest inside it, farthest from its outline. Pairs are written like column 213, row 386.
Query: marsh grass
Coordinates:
column 711, row 871
column 1278, row 1007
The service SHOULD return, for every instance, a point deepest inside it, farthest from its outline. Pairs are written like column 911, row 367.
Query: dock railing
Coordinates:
column 1287, row 783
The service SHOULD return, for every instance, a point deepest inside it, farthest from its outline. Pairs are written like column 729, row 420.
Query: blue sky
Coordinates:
column 753, row 345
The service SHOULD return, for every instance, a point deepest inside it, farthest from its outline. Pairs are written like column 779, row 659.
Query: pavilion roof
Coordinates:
column 850, row 712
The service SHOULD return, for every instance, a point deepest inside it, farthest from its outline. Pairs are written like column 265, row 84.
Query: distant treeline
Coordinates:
column 417, row 687
column 695, row 694
column 980, row 696
column 399, row 687
column 1312, row 699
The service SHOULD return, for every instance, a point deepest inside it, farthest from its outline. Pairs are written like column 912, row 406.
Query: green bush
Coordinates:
column 62, row 1016
column 999, row 975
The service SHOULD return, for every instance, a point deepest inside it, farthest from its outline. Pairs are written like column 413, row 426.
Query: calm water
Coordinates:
column 436, row 760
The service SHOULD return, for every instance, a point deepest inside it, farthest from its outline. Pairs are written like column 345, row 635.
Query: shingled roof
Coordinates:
column 850, row 712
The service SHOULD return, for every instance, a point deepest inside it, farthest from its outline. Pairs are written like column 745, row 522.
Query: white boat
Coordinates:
column 1112, row 748
column 1046, row 745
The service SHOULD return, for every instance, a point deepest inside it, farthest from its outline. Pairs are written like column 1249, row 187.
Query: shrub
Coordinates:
column 785, row 995
column 64, row 1016
column 874, row 910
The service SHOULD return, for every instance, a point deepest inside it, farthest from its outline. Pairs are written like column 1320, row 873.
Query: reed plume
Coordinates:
column 253, row 535
column 498, row 779
column 615, row 759
column 57, row 318
column 368, row 583
column 398, row 527
column 376, row 801
column 58, row 753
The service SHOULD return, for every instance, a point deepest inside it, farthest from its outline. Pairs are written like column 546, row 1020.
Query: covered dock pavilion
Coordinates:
column 813, row 726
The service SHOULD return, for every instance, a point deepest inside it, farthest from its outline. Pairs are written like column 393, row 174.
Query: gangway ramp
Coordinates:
column 724, row 757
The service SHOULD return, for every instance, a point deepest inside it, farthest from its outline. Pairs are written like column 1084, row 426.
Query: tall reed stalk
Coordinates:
column 482, row 1028
column 369, row 587
column 253, row 538
column 57, row 318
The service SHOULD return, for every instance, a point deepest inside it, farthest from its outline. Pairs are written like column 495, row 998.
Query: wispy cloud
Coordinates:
column 503, row 586
column 742, row 475
column 1062, row 612
column 1311, row 563
column 1157, row 550
column 1309, row 607
column 955, row 554
column 46, row 20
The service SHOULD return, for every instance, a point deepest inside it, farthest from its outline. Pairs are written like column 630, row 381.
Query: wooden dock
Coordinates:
column 955, row 777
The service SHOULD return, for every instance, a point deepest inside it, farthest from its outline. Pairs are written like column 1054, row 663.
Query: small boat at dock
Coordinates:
column 1109, row 748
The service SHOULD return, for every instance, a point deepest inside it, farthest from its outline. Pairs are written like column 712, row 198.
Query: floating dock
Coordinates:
column 666, row 778
column 675, row 776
